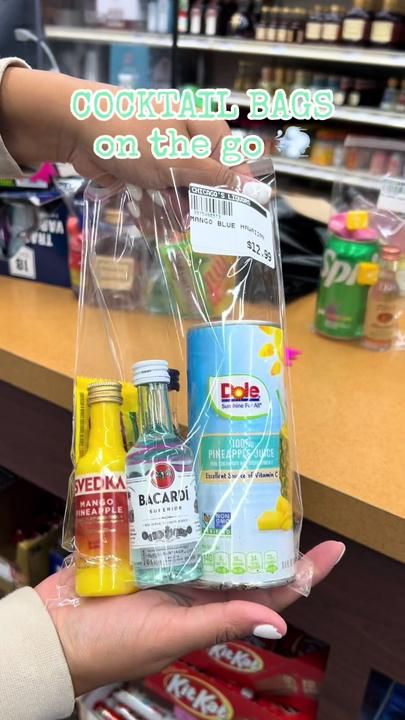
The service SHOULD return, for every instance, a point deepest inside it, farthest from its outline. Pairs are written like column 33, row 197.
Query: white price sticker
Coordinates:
column 392, row 195
column 223, row 222
column 22, row 264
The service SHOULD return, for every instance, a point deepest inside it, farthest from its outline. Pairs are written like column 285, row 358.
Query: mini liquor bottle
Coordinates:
column 381, row 323
column 387, row 28
column 313, row 27
column 241, row 22
column 357, row 23
column 266, row 79
column 332, row 25
column 165, row 526
column 101, row 501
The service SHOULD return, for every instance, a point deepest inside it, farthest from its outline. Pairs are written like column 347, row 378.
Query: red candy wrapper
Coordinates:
column 295, row 682
column 195, row 695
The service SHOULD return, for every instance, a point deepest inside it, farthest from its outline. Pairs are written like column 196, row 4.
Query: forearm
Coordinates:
column 35, row 119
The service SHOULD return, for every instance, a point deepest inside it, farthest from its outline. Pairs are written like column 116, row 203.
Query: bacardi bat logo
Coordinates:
column 163, row 476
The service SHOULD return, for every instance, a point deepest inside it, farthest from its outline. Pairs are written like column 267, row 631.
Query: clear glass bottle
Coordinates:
column 400, row 100
column 118, row 265
column 266, row 79
column 313, row 26
column 165, row 526
column 387, row 26
column 389, row 98
column 332, row 25
column 102, row 564
column 381, row 322
column 357, row 23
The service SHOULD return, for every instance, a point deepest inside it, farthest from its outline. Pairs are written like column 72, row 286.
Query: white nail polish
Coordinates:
column 341, row 555
column 156, row 197
column 134, row 209
column 257, row 191
column 269, row 632
column 135, row 192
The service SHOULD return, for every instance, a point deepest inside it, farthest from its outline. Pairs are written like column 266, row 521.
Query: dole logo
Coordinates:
column 246, row 391
column 236, row 656
column 239, row 396
column 198, row 697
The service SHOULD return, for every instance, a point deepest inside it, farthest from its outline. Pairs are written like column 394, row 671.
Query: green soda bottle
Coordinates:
column 347, row 271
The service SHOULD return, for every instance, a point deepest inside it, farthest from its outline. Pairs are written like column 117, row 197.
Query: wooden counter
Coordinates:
column 349, row 403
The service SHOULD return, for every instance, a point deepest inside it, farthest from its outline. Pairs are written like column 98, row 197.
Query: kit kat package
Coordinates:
column 196, row 695
column 295, row 682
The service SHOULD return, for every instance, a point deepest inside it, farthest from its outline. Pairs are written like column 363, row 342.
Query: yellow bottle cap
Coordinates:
column 357, row 220
column 367, row 273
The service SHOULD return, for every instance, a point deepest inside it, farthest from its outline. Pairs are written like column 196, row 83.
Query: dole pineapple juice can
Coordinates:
column 238, row 428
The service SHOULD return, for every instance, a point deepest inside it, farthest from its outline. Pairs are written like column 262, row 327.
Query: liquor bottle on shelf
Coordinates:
column 197, row 16
column 242, row 77
column 302, row 79
column 271, row 33
column 164, row 10
column 262, row 25
column 341, row 95
column 381, row 323
column 389, row 99
column 400, row 101
column 282, row 28
column 387, row 28
column 226, row 9
column 266, row 81
column 297, row 26
column 289, row 79
column 313, row 27
column 241, row 22
column 279, row 77
column 332, row 24
column 357, row 23
column 182, row 16
column 212, row 15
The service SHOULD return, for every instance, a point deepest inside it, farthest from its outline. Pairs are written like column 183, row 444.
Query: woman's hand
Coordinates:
column 116, row 639
column 37, row 125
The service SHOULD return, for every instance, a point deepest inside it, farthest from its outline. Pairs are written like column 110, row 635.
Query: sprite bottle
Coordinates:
column 343, row 290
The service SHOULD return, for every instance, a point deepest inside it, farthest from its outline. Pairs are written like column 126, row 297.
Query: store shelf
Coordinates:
column 340, row 54
column 364, row 115
column 305, row 169
column 105, row 36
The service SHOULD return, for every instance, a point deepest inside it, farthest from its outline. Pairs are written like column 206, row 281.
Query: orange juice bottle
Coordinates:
column 101, row 501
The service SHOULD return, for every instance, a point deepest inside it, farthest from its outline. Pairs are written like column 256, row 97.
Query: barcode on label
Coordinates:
column 210, row 205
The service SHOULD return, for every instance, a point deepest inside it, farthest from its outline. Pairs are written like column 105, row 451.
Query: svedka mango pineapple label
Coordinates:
column 236, row 408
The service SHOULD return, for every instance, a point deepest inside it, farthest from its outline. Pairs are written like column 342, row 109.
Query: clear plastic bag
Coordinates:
column 362, row 289
column 169, row 282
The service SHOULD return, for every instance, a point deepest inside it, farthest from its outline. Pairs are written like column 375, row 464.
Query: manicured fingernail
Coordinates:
column 134, row 209
column 156, row 197
column 341, row 553
column 135, row 192
column 267, row 631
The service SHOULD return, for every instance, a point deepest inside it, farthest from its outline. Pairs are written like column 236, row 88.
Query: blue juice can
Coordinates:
column 239, row 435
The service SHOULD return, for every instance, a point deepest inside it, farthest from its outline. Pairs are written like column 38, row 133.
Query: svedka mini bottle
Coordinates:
column 165, row 525
column 101, row 501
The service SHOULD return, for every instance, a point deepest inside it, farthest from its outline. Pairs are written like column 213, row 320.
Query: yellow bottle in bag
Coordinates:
column 101, row 501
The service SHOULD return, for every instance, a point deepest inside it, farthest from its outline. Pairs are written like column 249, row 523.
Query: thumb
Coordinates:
column 206, row 625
